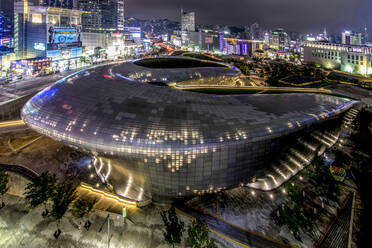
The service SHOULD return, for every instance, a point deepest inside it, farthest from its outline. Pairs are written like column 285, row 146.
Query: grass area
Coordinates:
column 243, row 91
column 298, row 79
column 19, row 142
column 168, row 63
column 314, row 84
column 201, row 56
column 224, row 91
column 4, row 148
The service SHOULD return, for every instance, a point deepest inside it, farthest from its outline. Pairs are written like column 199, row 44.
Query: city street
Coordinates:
column 25, row 87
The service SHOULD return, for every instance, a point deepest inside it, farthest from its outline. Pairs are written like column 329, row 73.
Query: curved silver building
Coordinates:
column 159, row 142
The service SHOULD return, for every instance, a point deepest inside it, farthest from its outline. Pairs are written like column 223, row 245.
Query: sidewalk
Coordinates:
column 227, row 230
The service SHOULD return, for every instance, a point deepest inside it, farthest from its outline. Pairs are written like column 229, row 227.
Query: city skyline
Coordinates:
column 293, row 16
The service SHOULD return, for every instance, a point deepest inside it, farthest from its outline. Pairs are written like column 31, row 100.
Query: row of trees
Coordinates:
column 44, row 190
column 244, row 67
column 198, row 233
column 276, row 71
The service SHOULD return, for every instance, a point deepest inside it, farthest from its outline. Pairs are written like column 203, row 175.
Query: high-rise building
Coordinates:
column 58, row 3
column 7, row 16
column 255, row 31
column 278, row 40
column 325, row 35
column 366, row 38
column 187, row 21
column 100, row 16
column 187, row 26
column 120, row 15
column 351, row 38
column 6, row 29
column 42, row 31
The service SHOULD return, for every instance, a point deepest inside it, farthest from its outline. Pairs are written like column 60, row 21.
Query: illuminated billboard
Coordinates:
column 63, row 35
column 39, row 46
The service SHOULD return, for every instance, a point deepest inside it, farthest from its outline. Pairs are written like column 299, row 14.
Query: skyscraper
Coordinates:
column 187, row 21
column 255, row 31
column 187, row 26
column 351, row 38
column 279, row 40
column 102, row 16
column 120, row 15
column 366, row 36
column 58, row 3
column 6, row 18
column 325, row 35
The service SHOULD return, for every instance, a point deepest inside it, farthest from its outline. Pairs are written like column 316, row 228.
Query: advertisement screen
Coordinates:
column 65, row 35
column 208, row 40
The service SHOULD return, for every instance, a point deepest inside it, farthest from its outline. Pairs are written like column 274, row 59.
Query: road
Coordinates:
column 25, row 87
column 33, row 85
column 236, row 234
column 9, row 126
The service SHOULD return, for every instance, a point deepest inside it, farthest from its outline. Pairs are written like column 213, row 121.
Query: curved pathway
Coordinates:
column 227, row 230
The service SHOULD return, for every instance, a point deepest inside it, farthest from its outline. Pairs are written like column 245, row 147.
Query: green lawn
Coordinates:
column 243, row 91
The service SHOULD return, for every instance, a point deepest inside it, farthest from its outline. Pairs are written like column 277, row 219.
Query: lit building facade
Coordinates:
column 47, row 32
column 279, row 40
column 187, row 26
column 150, row 141
column 255, row 32
column 100, row 15
column 240, row 47
column 348, row 58
column 59, row 3
column 351, row 38
column 120, row 15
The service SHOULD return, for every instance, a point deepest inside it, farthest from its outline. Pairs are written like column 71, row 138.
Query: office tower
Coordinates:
column 102, row 16
column 325, row 35
column 41, row 31
column 366, row 38
column 187, row 21
column 187, row 26
column 351, row 38
column 279, row 40
column 120, row 15
column 69, row 4
column 255, row 31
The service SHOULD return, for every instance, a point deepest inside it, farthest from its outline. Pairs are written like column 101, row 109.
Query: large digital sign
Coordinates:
column 39, row 46
column 63, row 35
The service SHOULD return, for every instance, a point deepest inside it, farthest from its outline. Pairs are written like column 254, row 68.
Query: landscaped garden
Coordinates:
column 168, row 63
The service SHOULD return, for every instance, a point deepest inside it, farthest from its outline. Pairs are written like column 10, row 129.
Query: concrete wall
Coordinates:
column 11, row 110
column 17, row 184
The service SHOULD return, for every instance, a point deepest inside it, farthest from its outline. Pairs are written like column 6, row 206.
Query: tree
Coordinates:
column 82, row 207
column 62, row 196
column 39, row 190
column 198, row 235
column 173, row 227
column 4, row 179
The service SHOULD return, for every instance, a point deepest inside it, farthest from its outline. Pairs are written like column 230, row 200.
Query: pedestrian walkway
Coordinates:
column 336, row 234
column 106, row 201
column 236, row 234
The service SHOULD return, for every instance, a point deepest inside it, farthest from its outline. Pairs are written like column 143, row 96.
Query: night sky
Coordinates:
column 293, row 15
